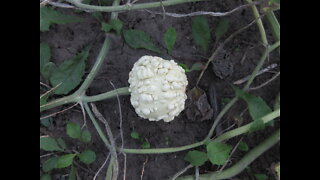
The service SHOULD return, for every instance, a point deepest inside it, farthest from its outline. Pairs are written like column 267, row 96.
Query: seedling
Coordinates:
column 144, row 143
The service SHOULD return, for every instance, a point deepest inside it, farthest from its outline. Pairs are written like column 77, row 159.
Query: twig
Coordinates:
column 240, row 81
column 124, row 165
column 68, row 6
column 104, row 163
column 233, row 150
column 112, row 142
column 53, row 114
column 52, row 89
column 198, row 13
column 265, row 83
column 44, row 2
column 85, row 169
column 84, row 115
column 120, row 115
column 215, row 53
column 45, row 85
column 197, row 173
column 144, row 164
column 181, row 172
column 45, row 155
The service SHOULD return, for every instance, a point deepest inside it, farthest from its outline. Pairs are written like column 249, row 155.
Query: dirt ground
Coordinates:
column 67, row 40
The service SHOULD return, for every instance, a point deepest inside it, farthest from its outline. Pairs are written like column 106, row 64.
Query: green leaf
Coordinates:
column 197, row 67
column 196, row 158
column 47, row 122
column 49, row 144
column 50, row 164
column 170, row 37
column 257, row 108
column 185, row 67
column 61, row 143
column 261, row 176
column 48, row 69
column 257, row 125
column 45, row 55
column 134, row 135
column 201, row 32
column 218, row 152
column 45, row 177
column 50, row 16
column 87, row 156
column 145, row 145
column 69, row 73
column 73, row 172
column 73, row 130
column 106, row 27
column 85, row 136
column 139, row 39
column 116, row 25
column 222, row 28
column 243, row 146
column 65, row 160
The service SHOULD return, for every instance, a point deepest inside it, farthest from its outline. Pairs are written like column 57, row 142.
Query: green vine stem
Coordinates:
column 228, row 135
column 259, row 23
column 127, row 7
column 243, row 163
column 263, row 58
column 96, row 125
column 100, row 59
column 274, row 24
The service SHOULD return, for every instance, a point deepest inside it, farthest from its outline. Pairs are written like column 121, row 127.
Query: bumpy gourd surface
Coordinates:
column 157, row 88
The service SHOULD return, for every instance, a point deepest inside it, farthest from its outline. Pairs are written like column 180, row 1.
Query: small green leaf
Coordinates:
column 73, row 130
column 218, row 152
column 257, row 108
column 87, row 156
column 50, row 16
column 135, row 135
column 65, row 160
column 50, row 164
column 48, row 69
column 116, row 25
column 145, row 145
column 196, row 158
column 106, row 27
column 73, row 172
column 222, row 28
column 49, row 144
column 170, row 37
column 47, row 122
column 69, row 73
column 201, row 32
column 61, row 143
column 243, row 146
column 197, row 67
column 139, row 39
column 185, row 67
column 86, row 136
column 261, row 176
column 45, row 177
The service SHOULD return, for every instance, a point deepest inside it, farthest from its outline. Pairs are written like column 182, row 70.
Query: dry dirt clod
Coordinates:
column 198, row 107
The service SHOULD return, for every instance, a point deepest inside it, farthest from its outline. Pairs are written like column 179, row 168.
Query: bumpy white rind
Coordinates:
column 157, row 88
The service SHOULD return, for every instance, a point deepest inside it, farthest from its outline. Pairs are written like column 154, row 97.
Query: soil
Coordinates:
column 67, row 40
